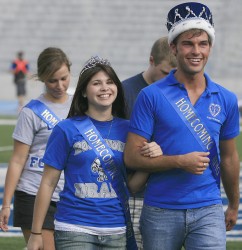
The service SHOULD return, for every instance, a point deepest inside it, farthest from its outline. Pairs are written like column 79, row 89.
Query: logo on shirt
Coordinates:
column 96, row 168
column 214, row 109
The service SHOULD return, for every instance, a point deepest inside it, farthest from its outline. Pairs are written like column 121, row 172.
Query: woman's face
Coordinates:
column 101, row 91
column 58, row 84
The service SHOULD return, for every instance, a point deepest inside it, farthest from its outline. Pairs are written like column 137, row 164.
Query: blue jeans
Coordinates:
column 76, row 241
column 195, row 229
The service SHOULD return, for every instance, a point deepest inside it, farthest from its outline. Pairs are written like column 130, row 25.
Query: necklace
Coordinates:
column 110, row 127
column 110, row 119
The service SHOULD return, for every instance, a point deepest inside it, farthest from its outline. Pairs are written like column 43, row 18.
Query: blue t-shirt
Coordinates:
column 154, row 118
column 132, row 86
column 88, row 198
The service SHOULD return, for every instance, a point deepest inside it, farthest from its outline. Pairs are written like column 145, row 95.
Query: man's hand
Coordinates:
column 195, row 162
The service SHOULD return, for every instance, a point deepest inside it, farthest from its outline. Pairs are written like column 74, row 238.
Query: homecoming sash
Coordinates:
column 197, row 127
column 107, row 159
column 44, row 113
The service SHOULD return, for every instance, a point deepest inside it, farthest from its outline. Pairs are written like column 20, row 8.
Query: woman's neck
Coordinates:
column 100, row 116
column 56, row 100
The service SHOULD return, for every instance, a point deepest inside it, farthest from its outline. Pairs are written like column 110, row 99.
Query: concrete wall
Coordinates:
column 121, row 30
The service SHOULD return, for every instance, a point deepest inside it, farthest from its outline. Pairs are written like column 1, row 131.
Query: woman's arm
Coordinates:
column 14, row 171
column 42, row 201
column 138, row 179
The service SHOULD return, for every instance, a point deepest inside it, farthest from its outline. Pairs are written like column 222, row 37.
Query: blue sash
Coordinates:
column 198, row 128
column 113, row 172
column 44, row 113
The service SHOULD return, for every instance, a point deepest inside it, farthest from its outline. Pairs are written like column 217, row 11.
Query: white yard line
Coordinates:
column 6, row 148
column 8, row 122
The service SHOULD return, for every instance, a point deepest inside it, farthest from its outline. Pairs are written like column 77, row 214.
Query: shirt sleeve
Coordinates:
column 27, row 126
column 142, row 118
column 57, row 149
column 231, row 127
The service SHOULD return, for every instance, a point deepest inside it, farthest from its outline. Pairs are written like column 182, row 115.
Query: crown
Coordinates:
column 187, row 16
column 93, row 61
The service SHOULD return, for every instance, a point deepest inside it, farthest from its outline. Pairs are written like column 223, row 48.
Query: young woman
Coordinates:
column 31, row 133
column 89, row 146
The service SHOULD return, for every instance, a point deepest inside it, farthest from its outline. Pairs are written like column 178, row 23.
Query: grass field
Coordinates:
column 5, row 142
column 17, row 243
column 12, row 243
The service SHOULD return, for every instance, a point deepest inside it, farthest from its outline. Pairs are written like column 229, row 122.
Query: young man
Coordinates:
column 161, row 61
column 195, row 121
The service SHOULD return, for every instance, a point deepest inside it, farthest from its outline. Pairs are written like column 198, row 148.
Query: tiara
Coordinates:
column 93, row 61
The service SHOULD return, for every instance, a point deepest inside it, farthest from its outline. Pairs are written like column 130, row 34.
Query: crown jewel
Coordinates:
column 185, row 13
column 93, row 61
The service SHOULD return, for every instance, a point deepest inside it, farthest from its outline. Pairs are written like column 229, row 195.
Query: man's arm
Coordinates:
column 230, row 169
column 191, row 162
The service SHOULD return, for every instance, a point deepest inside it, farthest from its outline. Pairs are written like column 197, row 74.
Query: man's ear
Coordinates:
column 151, row 60
column 173, row 48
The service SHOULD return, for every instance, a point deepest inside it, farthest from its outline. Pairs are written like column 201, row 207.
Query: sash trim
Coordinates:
column 44, row 113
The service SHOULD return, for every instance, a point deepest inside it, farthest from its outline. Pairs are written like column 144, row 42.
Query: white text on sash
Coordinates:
column 196, row 124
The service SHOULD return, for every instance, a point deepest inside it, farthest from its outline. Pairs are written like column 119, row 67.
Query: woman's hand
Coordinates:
column 35, row 242
column 151, row 149
column 4, row 217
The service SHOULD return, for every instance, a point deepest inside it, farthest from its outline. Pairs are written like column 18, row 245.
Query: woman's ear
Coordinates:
column 84, row 95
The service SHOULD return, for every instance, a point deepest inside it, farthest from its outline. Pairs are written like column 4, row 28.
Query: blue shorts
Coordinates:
column 170, row 229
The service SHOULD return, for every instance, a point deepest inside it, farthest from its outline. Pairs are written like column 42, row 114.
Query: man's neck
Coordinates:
column 194, row 84
column 147, row 77
column 191, row 81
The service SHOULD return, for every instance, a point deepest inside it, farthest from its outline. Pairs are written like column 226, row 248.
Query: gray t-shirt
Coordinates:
column 33, row 131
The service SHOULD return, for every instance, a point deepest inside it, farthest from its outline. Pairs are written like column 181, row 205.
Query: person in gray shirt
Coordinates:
column 34, row 126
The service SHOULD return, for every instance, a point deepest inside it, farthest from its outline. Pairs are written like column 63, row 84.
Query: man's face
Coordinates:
column 160, row 70
column 192, row 52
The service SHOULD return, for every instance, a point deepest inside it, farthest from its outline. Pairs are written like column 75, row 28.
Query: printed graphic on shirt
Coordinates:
column 93, row 190
column 36, row 162
column 82, row 146
column 96, row 168
column 214, row 109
